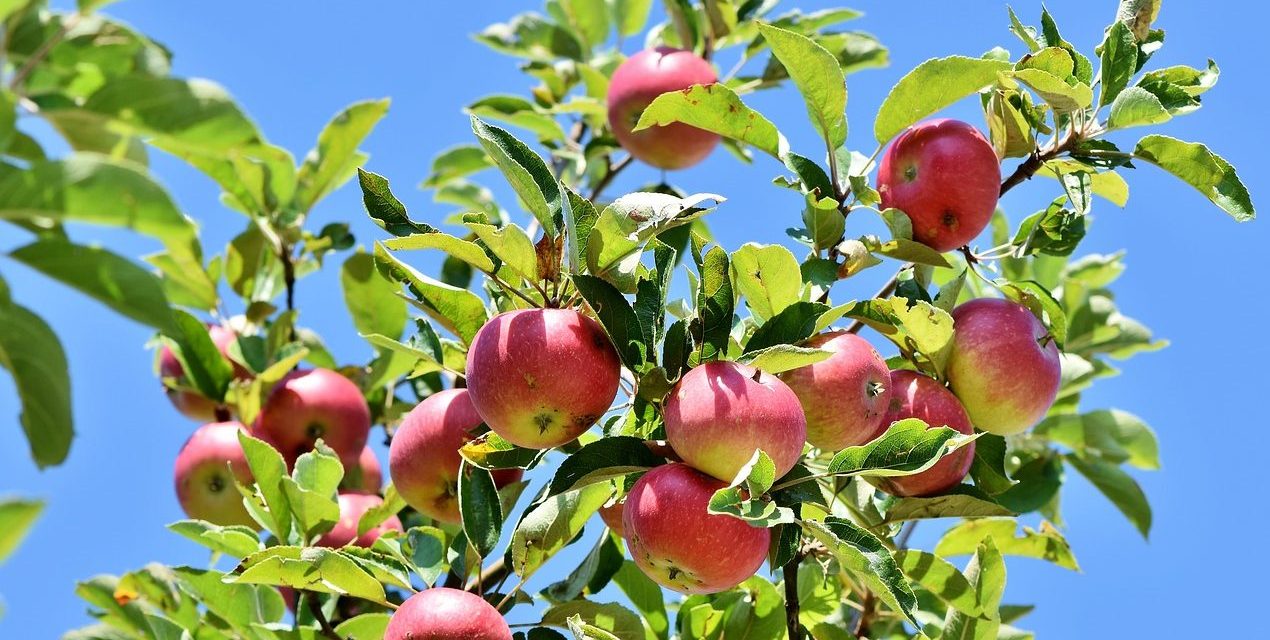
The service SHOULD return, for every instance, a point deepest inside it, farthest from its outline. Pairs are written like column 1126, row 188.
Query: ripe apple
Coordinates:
column 441, row 613
column 317, row 403
column 681, row 546
column 1004, row 365
column 366, row 476
column 845, row 396
column 720, row 412
column 914, row 395
column 205, row 471
column 189, row 402
column 636, row 83
column 541, row 377
column 352, row 507
column 945, row 175
column 424, row 459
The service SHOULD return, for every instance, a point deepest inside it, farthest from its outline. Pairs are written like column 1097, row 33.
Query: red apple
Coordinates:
column 720, row 412
column 681, row 546
column 541, row 377
column 845, row 396
column 205, row 471
column 441, row 613
column 1004, row 365
column 310, row 404
column 352, row 507
column 612, row 517
column 636, row 83
column 424, row 456
column 945, row 175
column 366, row 476
column 189, row 402
column 914, row 395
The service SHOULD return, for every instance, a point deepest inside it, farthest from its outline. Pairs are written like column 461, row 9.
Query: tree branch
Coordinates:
column 604, row 182
column 20, row 76
column 886, row 290
column 792, row 605
column 315, row 608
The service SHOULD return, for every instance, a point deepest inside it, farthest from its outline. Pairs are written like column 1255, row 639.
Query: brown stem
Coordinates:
column 496, row 572
column 222, row 413
column 604, row 182
column 315, row 608
column 792, row 605
column 868, row 608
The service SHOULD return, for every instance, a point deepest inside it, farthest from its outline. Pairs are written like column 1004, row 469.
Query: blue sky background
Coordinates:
column 1192, row 277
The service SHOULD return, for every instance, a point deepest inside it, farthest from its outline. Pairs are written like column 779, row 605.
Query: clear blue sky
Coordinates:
column 292, row 65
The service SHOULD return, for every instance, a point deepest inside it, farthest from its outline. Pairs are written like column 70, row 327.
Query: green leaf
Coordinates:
column 269, row 469
column 1138, row 16
column 865, row 557
column 933, row 85
column 1195, row 165
column 240, row 605
column 646, row 595
column 715, row 108
column 491, row 451
column 480, row 509
column 1192, row 81
column 525, row 171
column 907, row 447
column 730, row 501
column 534, row 37
column 1107, row 184
column 794, row 324
column 1045, row 544
column 986, row 574
column 455, row 163
column 818, row 77
column 309, row 569
column 1136, row 107
column 384, row 208
column 630, row 15
column 767, row 276
column 236, row 541
column 105, row 276
column 512, row 246
column 714, row 304
column 335, row 158
column 16, row 517
column 1113, row 435
column 367, row 626
column 196, row 115
column 200, row 358
column 962, row 501
column 427, row 552
column 550, row 525
column 628, row 223
column 518, row 112
column 372, row 301
column 783, row 357
column 1119, row 487
column 617, row 317
column 465, row 250
column 581, row 578
column 613, row 618
column 1119, row 62
column 941, row 578
column 458, row 310
column 604, row 459
column 589, row 19
column 93, row 189
column 1060, row 95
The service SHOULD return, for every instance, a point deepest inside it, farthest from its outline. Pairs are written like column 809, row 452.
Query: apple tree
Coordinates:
column 753, row 447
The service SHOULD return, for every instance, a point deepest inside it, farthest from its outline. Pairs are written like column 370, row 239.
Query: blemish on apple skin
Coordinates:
column 530, row 381
column 949, row 219
column 543, row 422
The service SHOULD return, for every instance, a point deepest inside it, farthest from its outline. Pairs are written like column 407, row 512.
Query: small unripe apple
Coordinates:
column 441, row 613
column 845, row 396
column 317, row 403
column 352, row 507
column 945, row 175
column 612, row 517
column 424, row 459
column 1004, row 365
column 720, row 412
column 209, row 462
column 914, row 395
column 677, row 543
column 189, row 402
column 366, row 476
column 636, row 83
column 541, row 377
